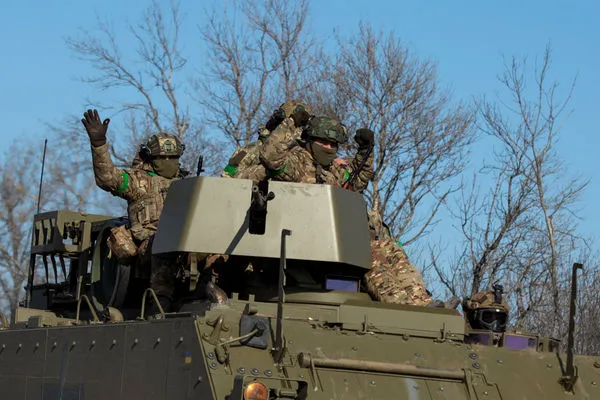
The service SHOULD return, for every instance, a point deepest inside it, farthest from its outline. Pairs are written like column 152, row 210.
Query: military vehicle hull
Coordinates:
column 304, row 330
column 331, row 349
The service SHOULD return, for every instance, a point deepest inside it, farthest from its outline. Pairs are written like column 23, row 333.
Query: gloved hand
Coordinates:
column 364, row 138
column 96, row 130
column 276, row 118
column 300, row 118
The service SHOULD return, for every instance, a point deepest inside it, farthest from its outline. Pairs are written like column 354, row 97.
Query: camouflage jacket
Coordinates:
column 291, row 162
column 244, row 161
column 144, row 191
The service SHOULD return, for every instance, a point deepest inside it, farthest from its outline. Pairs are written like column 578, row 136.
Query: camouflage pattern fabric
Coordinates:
column 290, row 106
column 243, row 162
column 287, row 161
column 241, row 159
column 377, row 228
column 392, row 278
column 145, row 193
column 484, row 299
column 254, row 172
column 164, row 145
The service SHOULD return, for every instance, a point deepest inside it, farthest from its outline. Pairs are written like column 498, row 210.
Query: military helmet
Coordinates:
column 162, row 145
column 325, row 128
column 485, row 311
column 292, row 106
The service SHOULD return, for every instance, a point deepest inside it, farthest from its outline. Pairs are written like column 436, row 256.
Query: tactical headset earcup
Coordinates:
column 145, row 152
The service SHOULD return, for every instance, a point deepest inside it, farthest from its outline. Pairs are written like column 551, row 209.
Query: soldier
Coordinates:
column 487, row 310
column 392, row 279
column 314, row 159
column 144, row 185
column 245, row 162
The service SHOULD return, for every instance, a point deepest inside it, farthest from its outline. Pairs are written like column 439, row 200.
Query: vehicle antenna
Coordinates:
column 33, row 256
column 570, row 373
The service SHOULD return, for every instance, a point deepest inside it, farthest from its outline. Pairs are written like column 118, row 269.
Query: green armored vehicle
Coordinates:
column 296, row 324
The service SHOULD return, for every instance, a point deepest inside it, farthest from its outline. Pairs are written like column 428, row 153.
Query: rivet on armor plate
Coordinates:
column 255, row 371
column 548, row 365
column 211, row 356
column 476, row 365
column 485, row 393
column 268, row 372
column 372, row 383
column 441, row 389
column 473, row 356
column 354, row 348
column 199, row 380
column 241, row 370
column 213, row 365
column 157, row 340
column 180, row 339
column 593, row 383
column 500, row 362
column 417, row 355
column 596, row 364
column 136, row 341
column 93, row 343
column 20, row 346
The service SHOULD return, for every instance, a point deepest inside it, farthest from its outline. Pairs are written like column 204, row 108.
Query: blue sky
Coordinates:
column 466, row 38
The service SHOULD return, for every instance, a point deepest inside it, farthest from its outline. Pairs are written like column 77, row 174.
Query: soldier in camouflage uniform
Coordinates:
column 314, row 159
column 245, row 162
column 487, row 310
column 391, row 279
column 144, row 185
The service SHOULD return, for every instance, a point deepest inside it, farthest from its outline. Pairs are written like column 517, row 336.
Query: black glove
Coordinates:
column 364, row 138
column 300, row 118
column 96, row 130
column 276, row 118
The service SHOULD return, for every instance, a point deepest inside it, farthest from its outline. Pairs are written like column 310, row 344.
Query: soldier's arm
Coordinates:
column 108, row 177
column 365, row 174
column 231, row 169
column 277, row 153
column 254, row 172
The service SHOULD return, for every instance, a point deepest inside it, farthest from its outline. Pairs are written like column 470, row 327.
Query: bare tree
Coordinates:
column 522, row 230
column 422, row 137
column 257, row 60
column 18, row 204
column 155, row 74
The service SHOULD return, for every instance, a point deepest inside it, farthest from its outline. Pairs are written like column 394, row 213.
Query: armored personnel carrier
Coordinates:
column 296, row 324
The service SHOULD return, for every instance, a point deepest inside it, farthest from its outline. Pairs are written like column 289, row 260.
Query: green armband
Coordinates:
column 230, row 170
column 346, row 174
column 125, row 183
column 275, row 172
